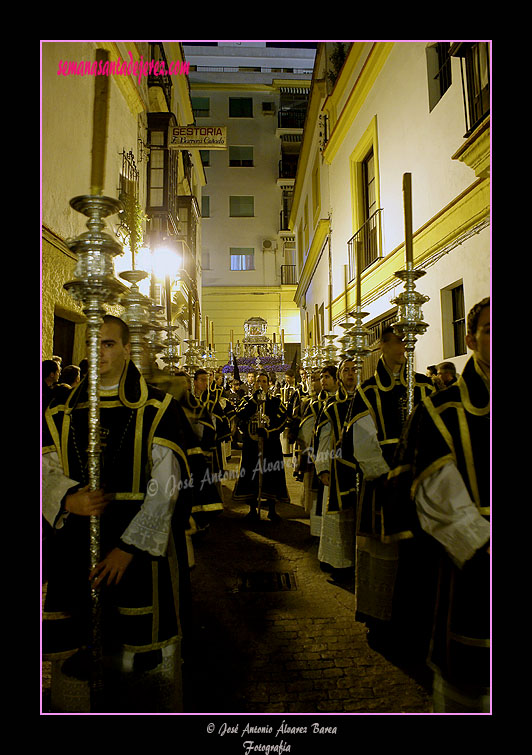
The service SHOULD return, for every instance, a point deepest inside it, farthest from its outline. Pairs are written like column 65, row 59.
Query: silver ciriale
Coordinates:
column 356, row 341
column 94, row 285
column 136, row 314
column 410, row 323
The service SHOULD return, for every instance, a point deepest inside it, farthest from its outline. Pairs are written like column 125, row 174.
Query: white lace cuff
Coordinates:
column 446, row 511
column 54, row 488
column 367, row 448
column 150, row 528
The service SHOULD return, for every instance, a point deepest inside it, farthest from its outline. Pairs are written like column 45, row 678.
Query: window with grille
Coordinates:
column 375, row 334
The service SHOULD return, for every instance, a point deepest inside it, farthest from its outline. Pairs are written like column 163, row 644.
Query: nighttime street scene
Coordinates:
column 265, row 343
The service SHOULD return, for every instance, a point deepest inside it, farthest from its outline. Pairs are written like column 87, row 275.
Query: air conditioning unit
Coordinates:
column 269, row 245
column 268, row 108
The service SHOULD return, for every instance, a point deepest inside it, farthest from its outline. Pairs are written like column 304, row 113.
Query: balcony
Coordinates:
column 291, row 118
column 288, row 275
column 163, row 81
column 284, row 217
column 365, row 245
column 288, row 167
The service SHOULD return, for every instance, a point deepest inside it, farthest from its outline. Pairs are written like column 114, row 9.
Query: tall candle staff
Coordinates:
column 410, row 317
column 94, row 285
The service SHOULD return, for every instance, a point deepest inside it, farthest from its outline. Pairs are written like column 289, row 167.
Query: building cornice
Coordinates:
column 476, row 150
column 126, row 84
column 371, row 69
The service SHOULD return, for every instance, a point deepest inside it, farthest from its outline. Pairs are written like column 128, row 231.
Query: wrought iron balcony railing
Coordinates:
column 287, row 168
column 291, row 118
column 366, row 243
column 288, row 275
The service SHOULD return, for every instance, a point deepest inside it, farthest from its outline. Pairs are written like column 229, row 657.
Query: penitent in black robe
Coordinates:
column 270, row 472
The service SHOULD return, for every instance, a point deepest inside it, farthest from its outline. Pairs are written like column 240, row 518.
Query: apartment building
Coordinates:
column 258, row 93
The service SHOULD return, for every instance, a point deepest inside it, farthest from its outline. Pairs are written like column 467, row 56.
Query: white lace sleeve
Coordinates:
column 54, row 488
column 446, row 511
column 323, row 456
column 150, row 528
column 367, row 448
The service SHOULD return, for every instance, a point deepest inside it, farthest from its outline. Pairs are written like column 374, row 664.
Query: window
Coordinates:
column 205, row 207
column 474, row 62
column 156, row 169
column 241, row 207
column 366, row 245
column 201, row 107
column 242, row 258
column 205, row 155
column 438, row 71
column 459, row 321
column 375, row 333
column 240, row 107
column 368, row 186
column 206, row 260
column 453, row 320
column 287, row 200
column 241, row 157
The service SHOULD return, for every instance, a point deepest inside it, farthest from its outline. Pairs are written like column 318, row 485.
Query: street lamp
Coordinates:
column 167, row 261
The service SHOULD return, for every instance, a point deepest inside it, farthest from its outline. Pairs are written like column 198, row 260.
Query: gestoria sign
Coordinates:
column 197, row 137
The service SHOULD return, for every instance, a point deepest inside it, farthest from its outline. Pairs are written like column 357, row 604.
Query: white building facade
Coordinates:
column 396, row 108
column 259, row 95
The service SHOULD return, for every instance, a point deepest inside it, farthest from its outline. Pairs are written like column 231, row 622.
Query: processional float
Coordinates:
column 95, row 284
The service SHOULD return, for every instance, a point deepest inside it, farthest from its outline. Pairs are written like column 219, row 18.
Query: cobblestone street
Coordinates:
column 293, row 648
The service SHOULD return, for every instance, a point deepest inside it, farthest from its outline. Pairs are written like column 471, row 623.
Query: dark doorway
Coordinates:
column 64, row 339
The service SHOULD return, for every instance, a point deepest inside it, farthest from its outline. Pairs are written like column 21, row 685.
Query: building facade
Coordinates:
column 160, row 188
column 259, row 94
column 394, row 108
